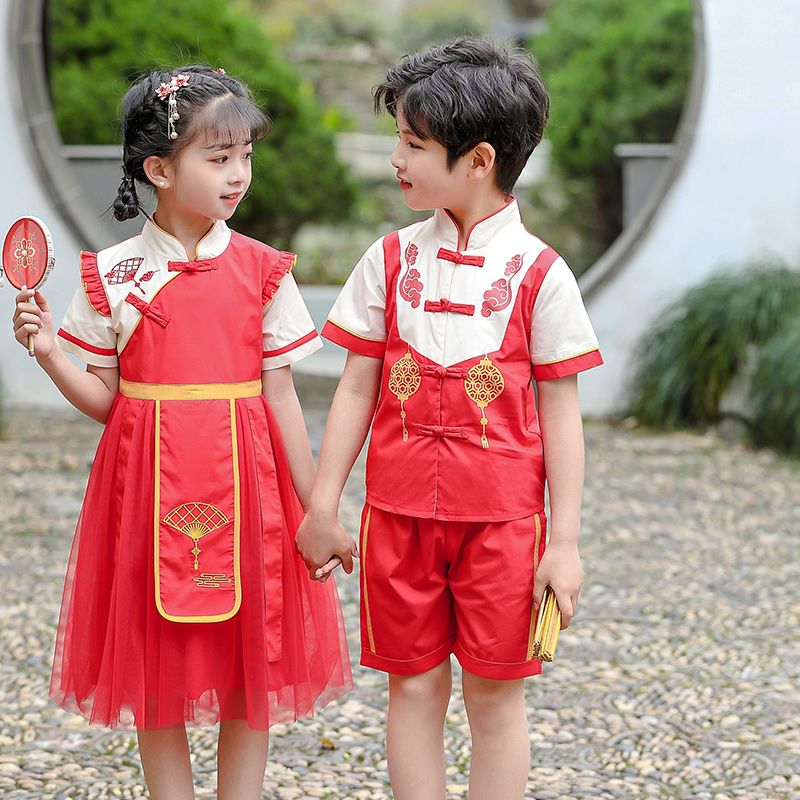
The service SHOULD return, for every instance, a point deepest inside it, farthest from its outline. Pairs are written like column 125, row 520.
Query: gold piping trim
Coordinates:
column 189, row 391
column 370, row 634
column 353, row 333
column 152, row 300
column 201, row 240
column 236, row 524
column 568, row 358
column 236, row 512
column 157, row 504
column 532, row 629
column 196, row 247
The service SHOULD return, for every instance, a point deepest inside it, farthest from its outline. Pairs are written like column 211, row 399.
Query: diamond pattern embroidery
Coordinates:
column 125, row 271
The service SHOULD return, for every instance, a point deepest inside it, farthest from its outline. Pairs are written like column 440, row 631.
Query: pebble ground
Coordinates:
column 677, row 679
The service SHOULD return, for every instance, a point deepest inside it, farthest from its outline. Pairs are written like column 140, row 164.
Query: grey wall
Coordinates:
column 736, row 194
column 25, row 192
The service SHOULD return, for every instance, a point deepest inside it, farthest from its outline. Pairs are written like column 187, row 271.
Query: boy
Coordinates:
column 448, row 322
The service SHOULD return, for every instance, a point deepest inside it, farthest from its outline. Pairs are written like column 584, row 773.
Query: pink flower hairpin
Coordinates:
column 167, row 91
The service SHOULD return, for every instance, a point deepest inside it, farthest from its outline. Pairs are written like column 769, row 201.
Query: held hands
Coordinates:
column 32, row 315
column 323, row 544
column 560, row 568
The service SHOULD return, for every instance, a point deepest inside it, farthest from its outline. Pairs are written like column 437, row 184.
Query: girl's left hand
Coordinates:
column 561, row 568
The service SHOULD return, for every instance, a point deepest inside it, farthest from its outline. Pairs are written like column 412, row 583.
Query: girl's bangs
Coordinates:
column 230, row 121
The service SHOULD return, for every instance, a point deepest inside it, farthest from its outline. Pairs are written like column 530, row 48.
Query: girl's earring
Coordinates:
column 162, row 184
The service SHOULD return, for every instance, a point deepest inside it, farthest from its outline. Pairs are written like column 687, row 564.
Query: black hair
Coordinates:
column 211, row 102
column 468, row 91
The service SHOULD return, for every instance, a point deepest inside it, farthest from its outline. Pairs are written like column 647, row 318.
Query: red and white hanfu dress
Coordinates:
column 185, row 600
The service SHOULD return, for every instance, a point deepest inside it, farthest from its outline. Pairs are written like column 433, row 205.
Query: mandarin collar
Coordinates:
column 167, row 248
column 481, row 233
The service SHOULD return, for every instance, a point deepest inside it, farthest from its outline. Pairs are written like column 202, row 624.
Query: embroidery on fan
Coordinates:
column 125, row 272
column 196, row 520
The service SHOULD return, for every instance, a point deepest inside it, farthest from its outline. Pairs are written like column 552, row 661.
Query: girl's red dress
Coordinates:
column 165, row 469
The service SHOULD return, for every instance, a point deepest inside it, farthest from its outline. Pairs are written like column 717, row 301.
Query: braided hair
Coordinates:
column 211, row 102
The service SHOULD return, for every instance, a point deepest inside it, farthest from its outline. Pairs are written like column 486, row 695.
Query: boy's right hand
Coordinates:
column 320, row 539
column 32, row 316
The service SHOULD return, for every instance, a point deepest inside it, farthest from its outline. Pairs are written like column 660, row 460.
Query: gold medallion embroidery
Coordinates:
column 196, row 520
column 404, row 381
column 483, row 384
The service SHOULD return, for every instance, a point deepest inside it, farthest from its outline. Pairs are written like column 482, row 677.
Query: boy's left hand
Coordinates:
column 561, row 568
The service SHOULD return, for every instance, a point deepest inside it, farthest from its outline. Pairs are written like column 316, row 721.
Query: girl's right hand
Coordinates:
column 32, row 315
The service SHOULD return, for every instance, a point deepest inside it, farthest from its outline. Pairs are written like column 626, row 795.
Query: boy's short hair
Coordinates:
column 468, row 91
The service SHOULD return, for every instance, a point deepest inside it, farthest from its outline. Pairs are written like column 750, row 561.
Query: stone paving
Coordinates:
column 678, row 678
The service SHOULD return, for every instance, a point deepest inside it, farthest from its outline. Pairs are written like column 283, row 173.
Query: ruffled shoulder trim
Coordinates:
column 281, row 267
column 93, row 285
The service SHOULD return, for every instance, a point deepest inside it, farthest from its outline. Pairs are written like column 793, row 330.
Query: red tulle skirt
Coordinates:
column 119, row 663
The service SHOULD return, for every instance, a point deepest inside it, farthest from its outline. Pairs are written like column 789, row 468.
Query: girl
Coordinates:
column 185, row 601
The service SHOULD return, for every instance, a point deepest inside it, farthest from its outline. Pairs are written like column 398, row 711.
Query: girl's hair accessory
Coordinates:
column 167, row 91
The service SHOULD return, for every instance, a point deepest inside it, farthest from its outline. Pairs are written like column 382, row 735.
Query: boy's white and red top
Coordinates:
column 185, row 600
column 462, row 334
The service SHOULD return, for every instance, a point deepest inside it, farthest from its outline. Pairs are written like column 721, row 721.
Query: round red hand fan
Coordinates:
column 28, row 257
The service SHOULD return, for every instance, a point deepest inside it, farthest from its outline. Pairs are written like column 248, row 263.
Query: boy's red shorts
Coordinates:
column 430, row 588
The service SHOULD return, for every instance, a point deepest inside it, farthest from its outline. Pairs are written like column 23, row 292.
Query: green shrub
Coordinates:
column 98, row 47
column 617, row 71
column 687, row 362
column 775, row 392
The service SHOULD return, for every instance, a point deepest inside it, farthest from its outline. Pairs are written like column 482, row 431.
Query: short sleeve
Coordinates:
column 357, row 320
column 562, row 339
column 288, row 330
column 88, row 334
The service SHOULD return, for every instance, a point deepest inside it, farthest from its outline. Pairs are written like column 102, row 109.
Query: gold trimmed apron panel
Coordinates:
column 196, row 506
